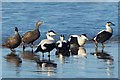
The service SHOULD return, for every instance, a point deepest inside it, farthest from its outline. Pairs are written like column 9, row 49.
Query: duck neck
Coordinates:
column 109, row 29
column 16, row 32
column 49, row 37
column 62, row 39
column 37, row 27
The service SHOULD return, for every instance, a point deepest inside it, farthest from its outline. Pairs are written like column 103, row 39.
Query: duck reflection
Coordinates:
column 62, row 55
column 29, row 55
column 13, row 58
column 79, row 51
column 46, row 63
column 103, row 56
column 47, row 66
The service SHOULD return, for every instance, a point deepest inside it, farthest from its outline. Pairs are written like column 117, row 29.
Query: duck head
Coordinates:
column 84, row 36
column 109, row 24
column 16, row 29
column 62, row 37
column 50, row 34
column 38, row 24
column 108, row 28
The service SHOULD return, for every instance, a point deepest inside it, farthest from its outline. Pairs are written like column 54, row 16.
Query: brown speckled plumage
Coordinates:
column 13, row 41
column 31, row 36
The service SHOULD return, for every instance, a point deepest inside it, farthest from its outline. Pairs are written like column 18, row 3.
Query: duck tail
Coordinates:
column 3, row 44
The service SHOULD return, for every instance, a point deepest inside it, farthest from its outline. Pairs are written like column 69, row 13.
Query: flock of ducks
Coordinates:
column 48, row 44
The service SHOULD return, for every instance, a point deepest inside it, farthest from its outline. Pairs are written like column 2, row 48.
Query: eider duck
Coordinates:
column 62, row 45
column 77, row 40
column 13, row 41
column 104, row 35
column 47, row 45
column 31, row 36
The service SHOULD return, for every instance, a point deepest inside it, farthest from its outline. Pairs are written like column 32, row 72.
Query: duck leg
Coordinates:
column 23, row 46
column 103, row 46
column 12, row 50
column 102, row 50
column 42, row 56
column 32, row 45
column 49, row 56
column 96, row 44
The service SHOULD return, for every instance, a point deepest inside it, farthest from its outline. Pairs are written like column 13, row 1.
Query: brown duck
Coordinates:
column 30, row 36
column 13, row 41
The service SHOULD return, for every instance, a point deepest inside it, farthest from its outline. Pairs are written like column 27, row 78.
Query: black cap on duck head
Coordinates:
column 62, row 35
column 16, row 29
column 51, row 32
column 110, row 23
column 84, row 35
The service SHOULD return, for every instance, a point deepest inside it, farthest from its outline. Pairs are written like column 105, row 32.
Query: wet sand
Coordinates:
column 85, row 64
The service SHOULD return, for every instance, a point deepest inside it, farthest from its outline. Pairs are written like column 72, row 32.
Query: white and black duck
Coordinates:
column 77, row 40
column 104, row 35
column 62, row 45
column 47, row 45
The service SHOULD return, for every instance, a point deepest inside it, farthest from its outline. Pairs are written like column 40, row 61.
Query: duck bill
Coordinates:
column 113, row 24
column 56, row 35
column 87, row 38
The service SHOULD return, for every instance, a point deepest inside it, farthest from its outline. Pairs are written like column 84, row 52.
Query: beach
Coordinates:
column 73, row 66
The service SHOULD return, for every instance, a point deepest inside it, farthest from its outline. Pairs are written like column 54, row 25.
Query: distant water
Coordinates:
column 64, row 18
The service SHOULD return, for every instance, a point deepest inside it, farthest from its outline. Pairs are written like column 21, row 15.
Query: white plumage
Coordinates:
column 78, row 40
column 46, row 45
column 45, row 41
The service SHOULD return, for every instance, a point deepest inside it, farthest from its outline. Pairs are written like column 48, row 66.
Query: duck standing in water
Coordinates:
column 31, row 36
column 77, row 40
column 62, row 45
column 13, row 41
column 104, row 35
column 47, row 45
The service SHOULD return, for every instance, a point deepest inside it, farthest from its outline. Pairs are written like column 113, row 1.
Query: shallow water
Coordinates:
column 63, row 18
column 73, row 66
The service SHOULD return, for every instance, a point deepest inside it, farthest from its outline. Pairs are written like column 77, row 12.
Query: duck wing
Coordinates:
column 103, row 36
column 10, row 41
column 45, row 41
column 27, row 34
column 28, row 37
column 31, row 36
